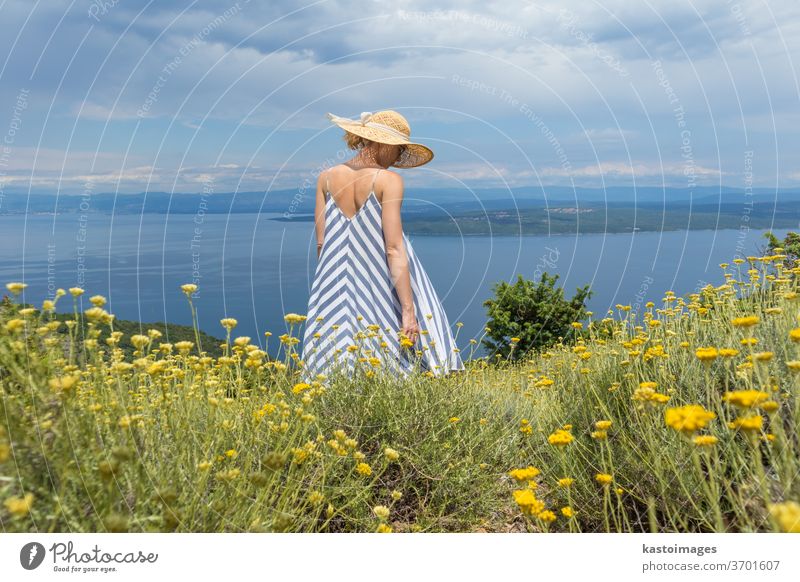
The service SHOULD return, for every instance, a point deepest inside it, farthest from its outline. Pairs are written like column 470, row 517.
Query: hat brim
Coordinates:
column 414, row 154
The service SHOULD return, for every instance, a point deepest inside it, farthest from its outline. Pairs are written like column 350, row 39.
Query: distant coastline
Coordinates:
column 617, row 220
column 534, row 211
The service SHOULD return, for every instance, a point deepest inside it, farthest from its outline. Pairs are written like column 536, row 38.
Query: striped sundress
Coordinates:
column 354, row 313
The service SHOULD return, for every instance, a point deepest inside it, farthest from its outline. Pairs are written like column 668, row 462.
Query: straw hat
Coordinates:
column 389, row 127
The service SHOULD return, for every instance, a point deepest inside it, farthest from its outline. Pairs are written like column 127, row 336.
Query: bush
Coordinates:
column 790, row 245
column 535, row 313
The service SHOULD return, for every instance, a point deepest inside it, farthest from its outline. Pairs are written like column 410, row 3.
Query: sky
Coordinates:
column 131, row 96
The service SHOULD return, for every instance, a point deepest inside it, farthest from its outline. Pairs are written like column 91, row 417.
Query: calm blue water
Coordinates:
column 256, row 269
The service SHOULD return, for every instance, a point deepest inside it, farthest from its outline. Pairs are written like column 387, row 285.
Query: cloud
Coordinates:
column 636, row 170
column 203, row 85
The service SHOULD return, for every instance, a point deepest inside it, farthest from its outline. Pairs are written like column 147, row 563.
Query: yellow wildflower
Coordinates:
column 19, row 506
column 560, row 438
column 381, row 511
column 603, row 478
column 546, row 516
column 787, row 514
column 748, row 321
column 745, row 398
column 139, row 341
column 646, row 394
column 705, row 440
column 688, row 419
column 747, row 423
column 769, row 406
column 228, row 323
column 97, row 300
column 527, row 474
column 298, row 388
column 527, row 501
column 63, row 383
column 707, row 355
column 16, row 288
column 15, row 325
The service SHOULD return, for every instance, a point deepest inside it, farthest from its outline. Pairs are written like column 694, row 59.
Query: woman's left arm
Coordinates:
column 319, row 212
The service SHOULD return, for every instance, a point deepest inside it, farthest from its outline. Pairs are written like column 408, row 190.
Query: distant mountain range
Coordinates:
column 460, row 199
column 527, row 210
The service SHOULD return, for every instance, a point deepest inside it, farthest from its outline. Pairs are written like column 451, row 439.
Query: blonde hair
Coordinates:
column 353, row 141
column 356, row 142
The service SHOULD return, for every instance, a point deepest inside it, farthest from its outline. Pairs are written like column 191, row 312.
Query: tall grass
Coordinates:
column 684, row 421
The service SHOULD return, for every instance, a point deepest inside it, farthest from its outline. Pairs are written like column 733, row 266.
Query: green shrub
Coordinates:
column 535, row 313
column 790, row 245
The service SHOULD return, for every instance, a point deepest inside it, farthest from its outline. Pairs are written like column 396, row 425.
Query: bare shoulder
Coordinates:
column 328, row 174
column 333, row 170
column 391, row 176
column 391, row 183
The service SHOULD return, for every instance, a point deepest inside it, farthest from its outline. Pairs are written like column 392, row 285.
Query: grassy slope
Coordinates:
column 236, row 444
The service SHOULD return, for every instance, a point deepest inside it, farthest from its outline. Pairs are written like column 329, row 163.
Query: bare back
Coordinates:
column 350, row 188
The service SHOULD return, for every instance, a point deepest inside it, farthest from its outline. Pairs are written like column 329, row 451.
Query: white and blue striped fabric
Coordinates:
column 354, row 313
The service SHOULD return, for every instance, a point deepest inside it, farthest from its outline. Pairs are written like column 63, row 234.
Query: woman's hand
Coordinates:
column 410, row 326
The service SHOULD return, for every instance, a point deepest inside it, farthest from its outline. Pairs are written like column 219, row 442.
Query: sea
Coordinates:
column 256, row 270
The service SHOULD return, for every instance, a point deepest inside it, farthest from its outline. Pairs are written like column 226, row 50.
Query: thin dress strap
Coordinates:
column 327, row 185
column 375, row 178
